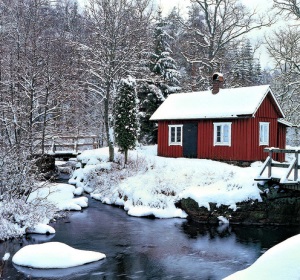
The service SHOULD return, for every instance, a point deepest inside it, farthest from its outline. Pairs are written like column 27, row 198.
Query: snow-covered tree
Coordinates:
column 163, row 79
column 244, row 67
column 284, row 48
column 126, row 122
column 223, row 22
column 117, row 40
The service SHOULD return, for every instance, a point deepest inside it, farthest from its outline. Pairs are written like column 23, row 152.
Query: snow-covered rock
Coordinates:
column 54, row 255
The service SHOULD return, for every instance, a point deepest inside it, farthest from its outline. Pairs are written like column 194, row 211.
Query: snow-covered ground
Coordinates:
column 152, row 185
column 61, row 195
column 149, row 185
column 279, row 262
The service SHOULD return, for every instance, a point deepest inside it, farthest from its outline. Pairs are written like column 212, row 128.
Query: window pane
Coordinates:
column 178, row 134
column 261, row 133
column 172, row 134
column 219, row 133
column 264, row 133
column 225, row 133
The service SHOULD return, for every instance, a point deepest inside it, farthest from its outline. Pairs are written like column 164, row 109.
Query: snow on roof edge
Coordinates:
column 283, row 121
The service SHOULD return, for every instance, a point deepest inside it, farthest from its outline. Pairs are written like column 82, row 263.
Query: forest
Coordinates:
column 66, row 70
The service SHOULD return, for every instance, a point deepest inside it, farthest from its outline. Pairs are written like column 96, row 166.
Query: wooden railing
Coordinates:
column 74, row 143
column 290, row 167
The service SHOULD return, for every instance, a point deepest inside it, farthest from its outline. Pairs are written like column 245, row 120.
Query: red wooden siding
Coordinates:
column 163, row 141
column 244, row 136
column 281, row 140
column 268, row 109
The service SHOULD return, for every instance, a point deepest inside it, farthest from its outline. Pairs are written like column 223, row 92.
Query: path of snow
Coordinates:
column 54, row 255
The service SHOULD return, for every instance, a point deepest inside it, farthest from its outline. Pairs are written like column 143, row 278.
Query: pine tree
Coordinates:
column 126, row 125
column 245, row 70
column 163, row 80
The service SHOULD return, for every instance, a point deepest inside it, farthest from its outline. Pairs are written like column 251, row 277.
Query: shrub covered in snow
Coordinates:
column 16, row 216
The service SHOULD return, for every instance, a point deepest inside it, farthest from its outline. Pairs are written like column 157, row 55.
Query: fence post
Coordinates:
column 270, row 164
column 296, row 166
column 53, row 148
column 94, row 143
column 76, row 144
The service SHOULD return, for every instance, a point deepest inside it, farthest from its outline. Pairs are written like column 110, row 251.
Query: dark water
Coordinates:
column 140, row 248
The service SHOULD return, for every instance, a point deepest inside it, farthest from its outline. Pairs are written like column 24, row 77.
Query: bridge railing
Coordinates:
column 292, row 166
column 74, row 143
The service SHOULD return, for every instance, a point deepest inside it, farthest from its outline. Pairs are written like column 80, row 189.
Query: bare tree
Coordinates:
column 284, row 48
column 288, row 8
column 118, row 29
column 223, row 22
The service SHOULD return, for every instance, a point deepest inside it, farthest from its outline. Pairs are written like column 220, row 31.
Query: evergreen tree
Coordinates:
column 245, row 70
column 126, row 125
column 164, row 80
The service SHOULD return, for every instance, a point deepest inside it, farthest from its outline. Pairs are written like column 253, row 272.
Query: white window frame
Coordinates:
column 177, row 143
column 264, row 133
column 222, row 142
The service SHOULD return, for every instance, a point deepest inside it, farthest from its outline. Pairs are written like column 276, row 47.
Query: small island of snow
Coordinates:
column 54, row 255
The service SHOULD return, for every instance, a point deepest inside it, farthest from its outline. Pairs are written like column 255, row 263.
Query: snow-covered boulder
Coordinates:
column 54, row 255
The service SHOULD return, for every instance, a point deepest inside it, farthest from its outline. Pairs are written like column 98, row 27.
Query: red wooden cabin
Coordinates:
column 222, row 124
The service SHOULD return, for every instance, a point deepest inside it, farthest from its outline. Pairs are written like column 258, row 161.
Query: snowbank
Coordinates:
column 156, row 183
column 61, row 195
column 41, row 229
column 54, row 255
column 279, row 262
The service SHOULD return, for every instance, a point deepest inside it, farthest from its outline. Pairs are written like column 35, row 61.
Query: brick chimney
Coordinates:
column 217, row 82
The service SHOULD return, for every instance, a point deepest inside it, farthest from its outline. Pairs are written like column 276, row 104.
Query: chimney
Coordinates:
column 217, row 82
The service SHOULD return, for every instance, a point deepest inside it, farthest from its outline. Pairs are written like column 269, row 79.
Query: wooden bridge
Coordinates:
column 67, row 147
column 285, row 174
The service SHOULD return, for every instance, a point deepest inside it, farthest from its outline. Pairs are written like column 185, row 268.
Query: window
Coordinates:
column 175, row 135
column 222, row 134
column 264, row 133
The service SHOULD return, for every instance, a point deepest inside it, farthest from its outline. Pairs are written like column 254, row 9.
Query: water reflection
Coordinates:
column 66, row 273
column 138, row 248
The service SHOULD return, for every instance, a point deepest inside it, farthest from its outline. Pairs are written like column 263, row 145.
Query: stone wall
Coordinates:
column 278, row 207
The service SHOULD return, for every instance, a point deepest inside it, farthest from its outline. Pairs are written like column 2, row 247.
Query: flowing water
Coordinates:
column 141, row 248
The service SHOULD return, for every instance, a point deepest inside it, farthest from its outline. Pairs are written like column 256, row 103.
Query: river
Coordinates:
column 142, row 248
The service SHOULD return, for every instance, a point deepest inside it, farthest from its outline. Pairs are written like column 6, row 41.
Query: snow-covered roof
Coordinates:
column 284, row 122
column 228, row 103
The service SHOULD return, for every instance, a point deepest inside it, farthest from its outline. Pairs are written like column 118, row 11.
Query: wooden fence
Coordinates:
column 292, row 166
column 74, row 143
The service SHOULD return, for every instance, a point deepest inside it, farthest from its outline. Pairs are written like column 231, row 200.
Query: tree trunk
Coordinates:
column 108, row 125
column 126, row 156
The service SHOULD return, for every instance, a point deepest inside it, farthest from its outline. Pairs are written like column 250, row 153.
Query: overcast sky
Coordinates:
column 260, row 5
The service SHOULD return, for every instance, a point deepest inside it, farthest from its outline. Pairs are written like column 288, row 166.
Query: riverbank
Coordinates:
column 203, row 190
column 148, row 248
